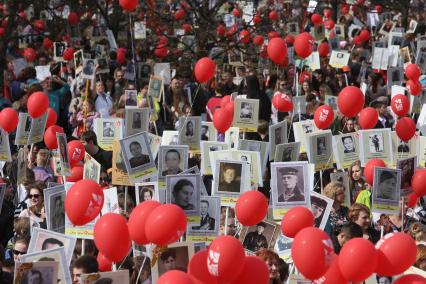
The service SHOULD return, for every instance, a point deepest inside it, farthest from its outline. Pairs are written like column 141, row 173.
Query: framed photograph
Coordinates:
column 283, row 245
column 386, row 190
column 321, row 208
column 293, row 28
column 175, row 257
column 144, row 70
column 208, row 132
column 119, row 171
column 107, row 131
column 232, row 137
column 395, row 76
column 229, row 178
column 395, row 38
column 386, row 27
column 334, row 43
column 140, row 30
column 258, row 146
column 172, row 160
column 261, row 236
column 277, row 135
column 103, row 67
column 130, row 98
column 155, row 87
column 287, row 152
column 290, row 185
column 252, row 158
column 42, row 240
column 58, row 50
column 196, row 171
column 189, row 131
column 56, row 254
column 138, row 157
column 89, row 69
column 36, row 272
column 412, row 27
column 146, row 191
column 119, row 276
column 92, row 169
column 346, row 149
column 319, row 32
column 338, row 59
column 54, row 200
column 301, row 129
column 154, row 143
column 110, row 201
column 209, row 218
column 5, row 154
column 404, row 149
column 63, row 154
column 78, row 61
column 137, row 120
column 339, row 31
column 246, row 114
column 23, row 129
column 375, row 143
column 38, row 125
column 235, row 58
column 229, row 225
column 343, row 178
column 407, row 167
column 184, row 191
column 320, row 149
column 206, row 148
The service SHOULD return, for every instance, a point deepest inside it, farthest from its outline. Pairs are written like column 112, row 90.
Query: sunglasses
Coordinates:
column 17, row 252
column 34, row 195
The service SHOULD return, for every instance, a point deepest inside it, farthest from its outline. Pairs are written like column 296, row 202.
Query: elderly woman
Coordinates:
column 339, row 213
column 272, row 260
column 360, row 214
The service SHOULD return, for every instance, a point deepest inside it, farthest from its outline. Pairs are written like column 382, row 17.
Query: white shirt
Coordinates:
column 103, row 104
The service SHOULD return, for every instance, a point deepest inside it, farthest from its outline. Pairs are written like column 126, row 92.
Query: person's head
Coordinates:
column 318, row 206
column 350, row 125
column 348, row 143
column 349, row 231
column 146, row 194
column 175, row 85
column 204, row 207
column 384, row 280
column 387, row 184
column 245, row 106
column 169, row 259
column 20, row 247
column 204, row 130
column 336, row 191
column 89, row 141
column 271, row 259
column 51, row 243
column 306, row 86
column 229, row 174
column 135, row 149
column 118, row 75
column 189, row 127
column 83, row 265
column 22, row 227
column 125, row 202
column 260, row 228
column 35, row 194
column 172, row 159
column 360, row 215
column 288, row 177
column 421, row 257
column 182, row 192
column 355, row 171
column 227, row 77
column 100, row 88
column 41, row 158
column 34, row 277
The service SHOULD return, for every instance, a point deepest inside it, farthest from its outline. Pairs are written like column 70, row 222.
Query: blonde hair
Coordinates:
column 332, row 189
column 420, row 255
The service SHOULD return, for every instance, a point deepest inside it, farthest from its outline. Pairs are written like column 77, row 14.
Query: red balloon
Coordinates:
column 273, row 15
column 50, row 136
column 418, row 182
column 180, row 14
column 121, row 55
column 255, row 271
column 138, row 219
column 414, row 87
column 390, row 262
column 350, row 101
column 83, row 202
column 289, row 39
column 187, row 28
column 2, row 31
column 357, row 259
column 412, row 200
column 52, row 117
column 245, row 36
column 369, row 169
column 175, row 277
column 405, row 128
column 230, row 107
column 224, row 101
column 251, row 208
column 115, row 246
column 9, row 119
column 328, row 13
column 236, row 13
column 225, row 258
column 410, row 279
column 73, row 19
column 368, row 118
column 76, row 174
column 273, row 34
column 30, row 54
column 277, row 50
column 104, row 263
column 316, row 19
column 221, row 30
column 282, row 102
column 323, row 116
column 69, row 54
column 295, row 220
column 76, row 151
column 257, row 19
column 312, row 252
column 400, row 105
column 47, row 43
column 222, row 120
column 39, row 25
column 166, row 224
column 303, row 45
column 413, row 72
column 329, row 24
column 161, row 51
column 37, row 104
column 323, row 49
column 128, row 5
column 344, row 9
column 333, row 274
column 204, row 70
column 197, row 268
column 258, row 40
column 364, row 35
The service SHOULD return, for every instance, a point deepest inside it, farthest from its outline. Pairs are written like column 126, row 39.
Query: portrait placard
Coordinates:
column 261, row 236
column 172, row 160
column 130, row 98
column 78, row 61
column 232, row 137
column 343, row 178
column 119, row 171
column 299, row 104
column 189, row 132
column 23, row 129
column 208, row 131
column 346, row 149
column 146, row 191
column 92, row 169
column 108, row 130
column 246, row 114
column 140, row 30
column 170, row 137
column 257, row 146
column 89, row 69
column 61, row 139
column 195, row 170
column 338, row 59
column 321, row 208
column 339, row 31
column 375, row 143
column 54, row 200
column 287, row 152
column 301, row 129
column 103, row 67
column 155, row 87
column 184, row 191
column 320, row 149
column 5, row 154
column 58, row 51
column 277, row 135
column 37, row 129
column 46, row 271
column 404, row 149
column 137, row 120
column 386, row 190
column 154, row 143
column 206, row 148
column 208, row 224
column 407, row 167
column 119, row 276
column 110, row 201
column 229, row 178
column 283, row 246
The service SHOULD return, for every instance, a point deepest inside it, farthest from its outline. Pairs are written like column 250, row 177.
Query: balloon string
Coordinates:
column 122, row 262
column 140, row 270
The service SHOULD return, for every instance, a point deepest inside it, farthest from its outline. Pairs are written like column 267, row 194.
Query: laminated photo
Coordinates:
column 320, row 149
column 206, row 148
column 189, row 132
column 375, row 143
column 287, row 152
column 386, row 191
column 346, row 149
column 246, row 114
column 277, row 135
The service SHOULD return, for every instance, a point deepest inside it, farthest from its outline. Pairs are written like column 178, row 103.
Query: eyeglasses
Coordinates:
column 17, row 252
column 34, row 195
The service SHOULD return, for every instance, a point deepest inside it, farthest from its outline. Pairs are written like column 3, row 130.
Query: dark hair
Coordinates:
column 34, row 271
column 180, row 184
column 168, row 253
column 352, row 230
column 87, row 263
column 104, row 281
column 205, row 201
column 23, row 239
column 146, row 189
column 172, row 151
column 321, row 203
column 89, row 136
column 219, row 88
column 52, row 241
column 386, row 175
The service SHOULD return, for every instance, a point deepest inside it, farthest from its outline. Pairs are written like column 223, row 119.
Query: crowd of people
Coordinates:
column 351, row 215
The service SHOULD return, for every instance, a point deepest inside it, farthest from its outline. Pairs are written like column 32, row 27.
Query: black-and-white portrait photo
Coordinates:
column 184, row 191
column 172, row 160
column 145, row 192
column 318, row 208
column 138, row 156
column 246, row 110
column 259, row 236
column 348, row 144
column 407, row 167
column 91, row 169
column 108, row 129
column 387, row 185
column 376, row 143
column 230, row 177
column 290, row 184
column 204, row 133
column 57, row 212
column 130, row 96
column 189, row 128
column 209, row 214
column 403, row 146
column 89, row 69
column 59, row 48
column 102, row 65
column 321, row 148
column 307, row 128
column 277, row 135
column 136, row 120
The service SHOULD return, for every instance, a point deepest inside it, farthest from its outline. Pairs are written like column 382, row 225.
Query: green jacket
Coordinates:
column 364, row 197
